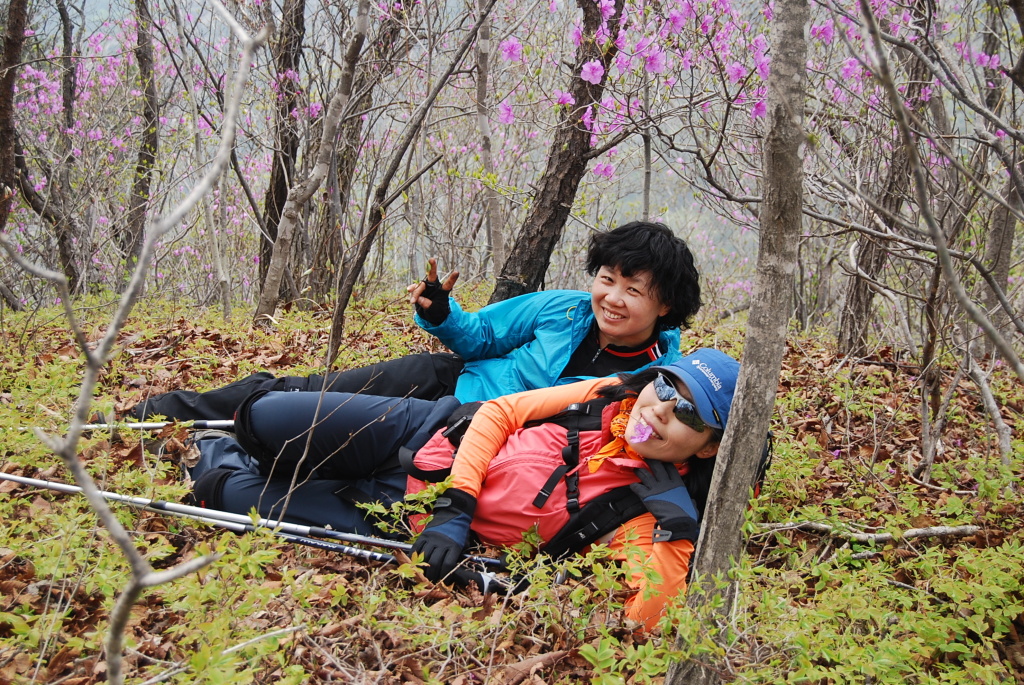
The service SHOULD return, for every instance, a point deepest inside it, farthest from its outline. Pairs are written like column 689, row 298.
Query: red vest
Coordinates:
column 505, row 508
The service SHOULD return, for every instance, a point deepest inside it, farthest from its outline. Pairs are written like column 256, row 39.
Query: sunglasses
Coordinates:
column 684, row 410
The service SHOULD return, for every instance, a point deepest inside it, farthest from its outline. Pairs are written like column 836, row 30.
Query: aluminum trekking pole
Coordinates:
column 487, row 582
column 223, row 424
column 228, row 517
column 300, row 539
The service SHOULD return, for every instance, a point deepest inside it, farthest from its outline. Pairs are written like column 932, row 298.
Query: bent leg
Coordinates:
column 227, row 480
column 425, row 376
column 214, row 405
column 334, row 435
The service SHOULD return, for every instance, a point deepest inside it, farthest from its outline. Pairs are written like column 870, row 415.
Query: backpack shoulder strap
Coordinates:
column 579, row 416
column 596, row 518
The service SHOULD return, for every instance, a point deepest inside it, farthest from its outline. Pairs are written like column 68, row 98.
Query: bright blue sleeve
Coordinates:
column 499, row 328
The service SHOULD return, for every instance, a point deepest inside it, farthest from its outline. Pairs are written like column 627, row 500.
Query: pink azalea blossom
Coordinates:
column 851, row 68
column 763, row 65
column 604, row 169
column 825, row 32
column 759, row 109
column 592, row 72
column 687, row 62
column 512, row 50
column 735, row 71
column 563, row 98
column 505, row 113
column 576, row 35
column 656, row 61
column 676, row 21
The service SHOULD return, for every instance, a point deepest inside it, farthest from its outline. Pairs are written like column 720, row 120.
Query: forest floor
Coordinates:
column 833, row 588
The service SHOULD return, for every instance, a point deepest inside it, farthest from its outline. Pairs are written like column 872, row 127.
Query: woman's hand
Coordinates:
column 665, row 495
column 430, row 296
column 442, row 541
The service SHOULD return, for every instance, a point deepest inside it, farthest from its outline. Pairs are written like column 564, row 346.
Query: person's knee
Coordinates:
column 247, row 432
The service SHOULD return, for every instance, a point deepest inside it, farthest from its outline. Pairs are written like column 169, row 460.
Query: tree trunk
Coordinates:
column 301, row 192
column 492, row 209
column 998, row 253
column 858, row 311
column 327, row 248
column 375, row 216
column 185, row 74
column 721, row 540
column 286, row 138
column 15, row 21
column 527, row 263
column 130, row 237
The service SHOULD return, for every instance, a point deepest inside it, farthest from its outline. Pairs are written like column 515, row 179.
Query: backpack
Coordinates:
column 589, row 513
column 589, row 518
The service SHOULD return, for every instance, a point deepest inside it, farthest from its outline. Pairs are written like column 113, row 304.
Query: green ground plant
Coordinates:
column 817, row 605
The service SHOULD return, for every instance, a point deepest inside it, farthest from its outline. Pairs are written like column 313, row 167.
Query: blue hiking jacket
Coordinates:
column 523, row 343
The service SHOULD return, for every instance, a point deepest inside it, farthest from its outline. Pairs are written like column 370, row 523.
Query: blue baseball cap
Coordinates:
column 711, row 377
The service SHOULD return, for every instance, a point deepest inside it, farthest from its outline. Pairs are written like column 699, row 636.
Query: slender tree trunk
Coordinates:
column 858, row 311
column 67, row 230
column 135, row 225
column 302, row 191
column 998, row 254
column 721, row 540
column 527, row 263
column 223, row 280
column 492, row 209
column 286, row 138
column 381, row 200
column 15, row 21
column 327, row 245
column 648, row 165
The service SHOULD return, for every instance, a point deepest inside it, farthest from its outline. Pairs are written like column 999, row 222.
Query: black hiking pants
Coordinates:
column 425, row 376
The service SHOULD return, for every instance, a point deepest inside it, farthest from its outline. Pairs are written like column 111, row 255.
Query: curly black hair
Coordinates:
column 651, row 247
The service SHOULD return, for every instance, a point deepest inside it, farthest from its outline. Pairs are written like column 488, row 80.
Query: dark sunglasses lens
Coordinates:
column 664, row 390
column 685, row 410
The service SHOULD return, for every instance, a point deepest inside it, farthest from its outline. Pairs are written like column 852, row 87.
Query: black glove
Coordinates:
column 665, row 495
column 442, row 541
column 439, row 308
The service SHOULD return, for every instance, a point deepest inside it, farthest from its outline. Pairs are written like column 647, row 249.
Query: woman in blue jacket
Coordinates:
column 645, row 288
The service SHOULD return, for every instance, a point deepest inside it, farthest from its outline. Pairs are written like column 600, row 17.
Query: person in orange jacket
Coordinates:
column 658, row 435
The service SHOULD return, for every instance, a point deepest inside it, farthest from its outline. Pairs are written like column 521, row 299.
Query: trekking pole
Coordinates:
column 300, row 539
column 223, row 424
column 487, row 582
column 160, row 506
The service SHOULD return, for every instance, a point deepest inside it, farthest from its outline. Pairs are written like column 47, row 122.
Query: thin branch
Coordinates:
column 874, row 538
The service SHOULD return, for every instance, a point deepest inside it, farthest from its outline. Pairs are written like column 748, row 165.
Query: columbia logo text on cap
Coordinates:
column 706, row 370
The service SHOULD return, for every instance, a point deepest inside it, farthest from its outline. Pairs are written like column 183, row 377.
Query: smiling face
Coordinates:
column 626, row 308
column 670, row 439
